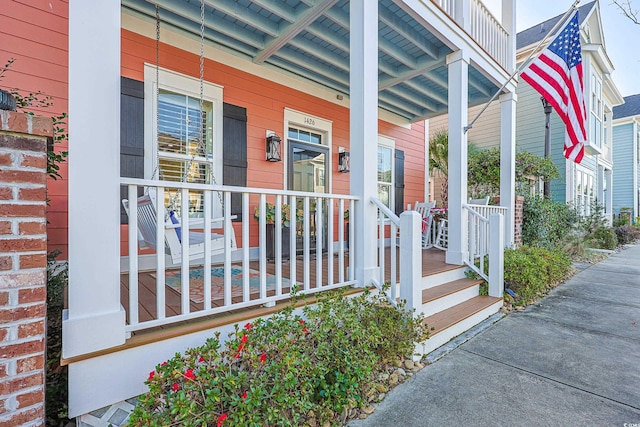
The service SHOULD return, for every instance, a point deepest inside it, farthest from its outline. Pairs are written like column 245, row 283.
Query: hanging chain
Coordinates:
column 202, row 128
column 157, row 165
column 201, row 146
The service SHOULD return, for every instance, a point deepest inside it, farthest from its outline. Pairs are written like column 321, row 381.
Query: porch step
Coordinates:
column 453, row 321
column 448, row 274
column 447, row 295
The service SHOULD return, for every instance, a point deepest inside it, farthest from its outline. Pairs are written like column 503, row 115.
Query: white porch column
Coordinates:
column 363, row 131
column 458, row 64
column 427, row 170
column 462, row 14
column 600, row 186
column 608, row 195
column 508, row 163
column 94, row 319
column 509, row 24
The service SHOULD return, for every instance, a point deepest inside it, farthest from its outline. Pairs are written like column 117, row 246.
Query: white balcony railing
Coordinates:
column 316, row 236
column 480, row 23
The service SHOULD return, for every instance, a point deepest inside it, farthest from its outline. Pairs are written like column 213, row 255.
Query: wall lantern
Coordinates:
column 273, row 148
column 344, row 160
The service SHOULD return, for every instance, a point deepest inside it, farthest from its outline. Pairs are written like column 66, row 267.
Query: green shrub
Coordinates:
column 602, row 238
column 529, row 271
column 282, row 370
column 627, row 234
column 56, row 375
column 546, row 223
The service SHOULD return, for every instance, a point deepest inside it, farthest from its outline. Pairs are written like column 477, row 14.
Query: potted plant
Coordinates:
column 270, row 216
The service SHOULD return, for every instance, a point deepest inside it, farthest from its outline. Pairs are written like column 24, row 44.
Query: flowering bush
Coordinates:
column 284, row 370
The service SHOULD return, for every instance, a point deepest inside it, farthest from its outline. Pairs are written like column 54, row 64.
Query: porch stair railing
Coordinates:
column 317, row 211
column 403, row 237
column 485, row 254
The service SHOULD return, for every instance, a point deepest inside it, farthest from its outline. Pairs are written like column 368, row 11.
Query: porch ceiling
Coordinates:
column 310, row 38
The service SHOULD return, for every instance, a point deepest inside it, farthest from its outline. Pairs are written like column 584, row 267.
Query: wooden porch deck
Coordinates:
column 432, row 263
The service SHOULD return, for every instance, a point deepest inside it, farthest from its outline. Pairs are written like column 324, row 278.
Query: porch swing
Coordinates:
column 147, row 203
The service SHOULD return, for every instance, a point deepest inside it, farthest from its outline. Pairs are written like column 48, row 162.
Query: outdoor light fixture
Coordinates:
column 344, row 160
column 273, row 148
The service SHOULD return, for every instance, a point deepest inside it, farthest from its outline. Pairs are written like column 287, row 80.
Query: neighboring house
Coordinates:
column 626, row 136
column 579, row 184
column 191, row 122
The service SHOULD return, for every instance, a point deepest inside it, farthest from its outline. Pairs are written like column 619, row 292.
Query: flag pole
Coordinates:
column 523, row 64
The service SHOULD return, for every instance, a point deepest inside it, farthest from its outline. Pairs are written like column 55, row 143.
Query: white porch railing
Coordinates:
column 404, row 243
column 486, row 245
column 315, row 222
column 478, row 21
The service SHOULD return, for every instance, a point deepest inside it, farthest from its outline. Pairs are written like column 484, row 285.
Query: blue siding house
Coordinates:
column 582, row 183
column 626, row 133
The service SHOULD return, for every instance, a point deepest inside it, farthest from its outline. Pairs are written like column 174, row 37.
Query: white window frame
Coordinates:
column 389, row 143
column 584, row 178
column 311, row 123
column 596, row 111
column 185, row 85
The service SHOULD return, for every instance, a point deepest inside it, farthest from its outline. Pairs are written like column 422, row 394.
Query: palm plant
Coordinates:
column 439, row 160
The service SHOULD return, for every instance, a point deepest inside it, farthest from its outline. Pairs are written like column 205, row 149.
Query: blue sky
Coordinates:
column 620, row 34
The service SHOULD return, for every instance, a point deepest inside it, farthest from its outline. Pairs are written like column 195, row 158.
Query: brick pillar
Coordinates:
column 23, row 246
column 519, row 215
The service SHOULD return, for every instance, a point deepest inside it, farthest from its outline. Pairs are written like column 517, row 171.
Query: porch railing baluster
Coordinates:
column 151, row 227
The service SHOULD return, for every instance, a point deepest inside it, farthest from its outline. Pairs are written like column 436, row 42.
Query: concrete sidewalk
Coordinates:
column 572, row 359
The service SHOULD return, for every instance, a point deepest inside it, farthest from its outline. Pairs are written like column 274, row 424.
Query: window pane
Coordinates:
column 384, row 193
column 181, row 128
column 384, row 164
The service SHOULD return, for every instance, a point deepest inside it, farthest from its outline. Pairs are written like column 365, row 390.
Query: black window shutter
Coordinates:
column 399, row 182
column 234, row 152
column 131, row 134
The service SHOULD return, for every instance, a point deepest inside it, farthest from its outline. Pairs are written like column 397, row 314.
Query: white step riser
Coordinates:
column 445, row 336
column 448, row 301
column 444, row 277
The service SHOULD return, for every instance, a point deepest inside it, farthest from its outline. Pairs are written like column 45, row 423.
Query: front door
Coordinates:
column 308, row 167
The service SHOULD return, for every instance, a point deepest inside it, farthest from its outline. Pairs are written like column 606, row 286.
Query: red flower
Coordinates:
column 151, row 375
column 263, row 358
column 305, row 330
column 189, row 374
column 236, row 356
column 244, row 339
column 248, row 326
column 240, row 347
column 163, row 363
column 244, row 395
column 201, row 359
column 176, row 387
column 302, row 322
column 221, row 419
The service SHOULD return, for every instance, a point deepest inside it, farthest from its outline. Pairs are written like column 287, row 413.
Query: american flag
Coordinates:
column 557, row 74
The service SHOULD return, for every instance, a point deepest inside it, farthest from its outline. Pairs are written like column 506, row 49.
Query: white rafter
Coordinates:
column 289, row 31
column 243, row 14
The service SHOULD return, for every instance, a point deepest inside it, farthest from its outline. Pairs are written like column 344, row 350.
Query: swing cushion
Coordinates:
column 174, row 220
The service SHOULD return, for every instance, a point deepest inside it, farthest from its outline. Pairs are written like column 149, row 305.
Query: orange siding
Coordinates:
column 35, row 33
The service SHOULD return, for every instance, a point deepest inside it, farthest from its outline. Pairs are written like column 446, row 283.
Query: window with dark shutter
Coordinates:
column 131, row 134
column 234, row 154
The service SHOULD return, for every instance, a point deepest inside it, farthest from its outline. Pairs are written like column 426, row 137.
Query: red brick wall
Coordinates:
column 23, row 244
column 519, row 215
